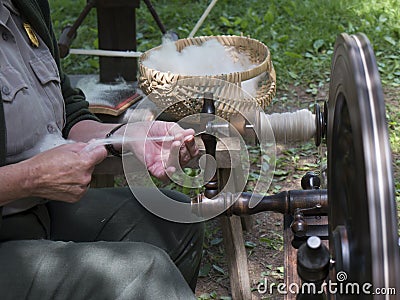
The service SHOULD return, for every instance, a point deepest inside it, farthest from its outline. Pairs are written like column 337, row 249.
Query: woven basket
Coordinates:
column 178, row 95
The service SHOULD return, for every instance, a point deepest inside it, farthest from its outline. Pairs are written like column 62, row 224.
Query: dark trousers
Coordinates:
column 106, row 246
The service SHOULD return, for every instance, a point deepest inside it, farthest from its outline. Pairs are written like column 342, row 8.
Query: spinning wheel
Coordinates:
column 362, row 211
column 359, row 200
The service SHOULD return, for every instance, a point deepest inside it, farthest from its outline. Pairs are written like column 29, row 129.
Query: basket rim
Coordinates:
column 264, row 66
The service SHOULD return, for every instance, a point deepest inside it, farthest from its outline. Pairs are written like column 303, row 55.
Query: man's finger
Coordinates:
column 176, row 130
column 96, row 155
column 174, row 155
column 190, row 144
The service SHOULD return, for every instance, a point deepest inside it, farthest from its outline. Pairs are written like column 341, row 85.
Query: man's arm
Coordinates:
column 13, row 183
column 87, row 130
column 62, row 173
column 160, row 158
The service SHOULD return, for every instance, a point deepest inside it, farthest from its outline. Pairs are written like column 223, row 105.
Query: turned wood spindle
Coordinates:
column 210, row 145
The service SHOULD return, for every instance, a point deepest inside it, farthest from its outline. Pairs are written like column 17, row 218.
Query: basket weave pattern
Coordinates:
column 153, row 81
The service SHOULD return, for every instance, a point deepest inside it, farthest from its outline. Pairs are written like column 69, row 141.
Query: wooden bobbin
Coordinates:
column 287, row 127
column 298, row 126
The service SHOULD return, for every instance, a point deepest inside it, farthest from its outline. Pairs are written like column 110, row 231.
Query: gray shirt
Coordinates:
column 30, row 88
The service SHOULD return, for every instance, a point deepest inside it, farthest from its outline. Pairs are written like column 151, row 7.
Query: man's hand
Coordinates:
column 162, row 158
column 63, row 173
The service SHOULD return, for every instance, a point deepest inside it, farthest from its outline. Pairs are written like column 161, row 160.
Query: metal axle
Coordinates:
column 310, row 202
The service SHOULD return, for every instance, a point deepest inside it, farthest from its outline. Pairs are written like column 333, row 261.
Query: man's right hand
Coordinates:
column 62, row 173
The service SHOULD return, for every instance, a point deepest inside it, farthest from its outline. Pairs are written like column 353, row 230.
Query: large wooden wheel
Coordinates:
column 362, row 211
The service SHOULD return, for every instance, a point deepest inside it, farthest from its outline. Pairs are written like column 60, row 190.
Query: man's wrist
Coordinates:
column 110, row 147
column 25, row 175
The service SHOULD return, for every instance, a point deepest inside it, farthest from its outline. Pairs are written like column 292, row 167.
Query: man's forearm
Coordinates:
column 86, row 130
column 14, row 182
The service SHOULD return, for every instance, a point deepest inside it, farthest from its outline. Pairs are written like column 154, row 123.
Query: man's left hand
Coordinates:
column 162, row 158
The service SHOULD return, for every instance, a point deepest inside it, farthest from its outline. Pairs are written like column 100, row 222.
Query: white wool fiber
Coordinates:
column 251, row 85
column 95, row 91
column 51, row 141
column 210, row 58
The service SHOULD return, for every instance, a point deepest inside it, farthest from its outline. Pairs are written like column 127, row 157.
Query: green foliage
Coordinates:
column 212, row 295
column 300, row 34
column 65, row 13
column 275, row 243
column 188, row 185
column 393, row 120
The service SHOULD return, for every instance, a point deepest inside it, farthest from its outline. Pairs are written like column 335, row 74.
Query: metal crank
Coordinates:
column 359, row 200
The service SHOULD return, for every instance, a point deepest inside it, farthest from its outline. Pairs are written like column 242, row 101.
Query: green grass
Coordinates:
column 300, row 34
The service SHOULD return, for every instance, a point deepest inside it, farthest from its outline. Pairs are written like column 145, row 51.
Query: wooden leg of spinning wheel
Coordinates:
column 290, row 257
column 235, row 250
column 236, row 257
column 247, row 223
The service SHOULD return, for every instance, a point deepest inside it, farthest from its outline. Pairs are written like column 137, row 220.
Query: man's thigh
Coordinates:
column 41, row 269
column 113, row 214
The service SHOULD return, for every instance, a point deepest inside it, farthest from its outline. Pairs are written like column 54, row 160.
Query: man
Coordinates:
column 58, row 238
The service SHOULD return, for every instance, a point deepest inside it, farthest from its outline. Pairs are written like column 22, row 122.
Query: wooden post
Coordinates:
column 290, row 257
column 236, row 257
column 231, row 226
column 116, row 23
column 235, row 250
column 103, row 174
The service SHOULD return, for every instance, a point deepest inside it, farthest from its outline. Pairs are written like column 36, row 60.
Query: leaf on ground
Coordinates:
column 216, row 241
column 250, row 245
column 281, row 172
column 218, row 269
column 205, row 270
column 317, row 45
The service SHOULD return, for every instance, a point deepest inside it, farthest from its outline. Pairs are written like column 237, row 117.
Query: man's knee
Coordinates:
column 122, row 270
column 154, row 275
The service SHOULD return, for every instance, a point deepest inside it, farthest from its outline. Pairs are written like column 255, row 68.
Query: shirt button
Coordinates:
column 51, row 129
column 5, row 90
column 4, row 35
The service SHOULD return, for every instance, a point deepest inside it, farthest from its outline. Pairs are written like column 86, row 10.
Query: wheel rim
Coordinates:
column 362, row 210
